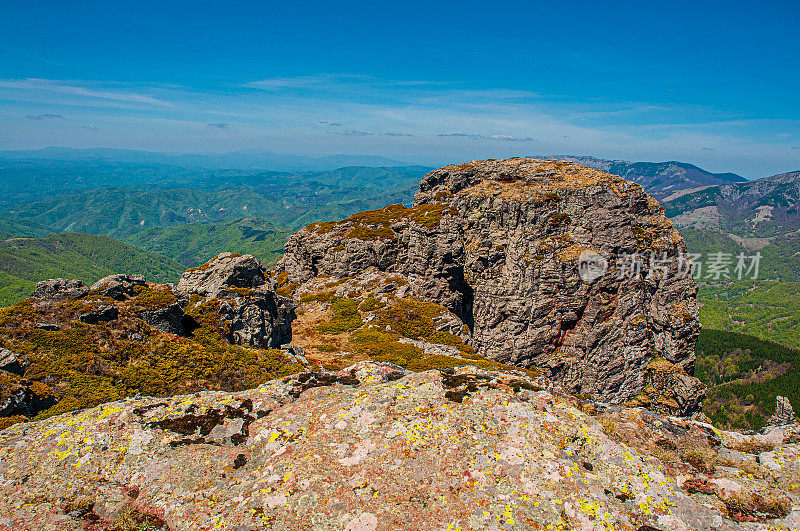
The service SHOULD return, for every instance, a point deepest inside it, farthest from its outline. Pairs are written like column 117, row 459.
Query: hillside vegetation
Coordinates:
column 767, row 310
column 744, row 374
column 196, row 243
column 24, row 261
column 292, row 200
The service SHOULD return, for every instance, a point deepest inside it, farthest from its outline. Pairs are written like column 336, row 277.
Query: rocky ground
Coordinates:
column 500, row 244
column 376, row 447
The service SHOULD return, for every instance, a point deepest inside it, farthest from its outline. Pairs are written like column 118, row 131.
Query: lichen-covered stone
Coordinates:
column 59, row 288
column 254, row 313
column 375, row 447
column 118, row 286
column 500, row 244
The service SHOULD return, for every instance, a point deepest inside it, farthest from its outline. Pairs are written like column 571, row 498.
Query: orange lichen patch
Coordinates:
column 376, row 224
column 525, row 174
column 570, row 254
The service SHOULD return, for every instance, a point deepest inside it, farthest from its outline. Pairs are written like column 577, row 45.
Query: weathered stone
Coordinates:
column 225, row 271
column 502, row 245
column 261, row 319
column 118, row 287
column 376, row 447
column 59, row 288
column 10, row 362
column 784, row 414
column 255, row 314
column 669, row 390
column 168, row 320
column 102, row 314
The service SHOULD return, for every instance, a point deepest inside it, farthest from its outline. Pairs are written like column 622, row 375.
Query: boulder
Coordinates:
column 548, row 264
column 168, row 319
column 12, row 363
column 59, row 288
column 118, row 287
column 254, row 313
column 225, row 271
column 102, row 314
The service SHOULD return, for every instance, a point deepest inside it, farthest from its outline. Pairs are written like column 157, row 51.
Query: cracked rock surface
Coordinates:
column 374, row 447
column 499, row 243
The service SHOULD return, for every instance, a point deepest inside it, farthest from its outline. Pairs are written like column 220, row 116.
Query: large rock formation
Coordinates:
column 549, row 264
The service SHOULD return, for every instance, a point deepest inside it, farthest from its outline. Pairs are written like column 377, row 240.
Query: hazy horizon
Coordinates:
column 415, row 82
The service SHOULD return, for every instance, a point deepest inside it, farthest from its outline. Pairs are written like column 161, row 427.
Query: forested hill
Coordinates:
column 24, row 261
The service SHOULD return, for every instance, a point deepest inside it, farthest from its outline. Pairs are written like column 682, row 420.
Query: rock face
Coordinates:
column 256, row 316
column 226, row 271
column 373, row 447
column 118, row 287
column 784, row 414
column 669, row 390
column 549, row 264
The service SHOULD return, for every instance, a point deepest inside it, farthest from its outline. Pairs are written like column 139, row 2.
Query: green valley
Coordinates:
column 24, row 261
column 195, row 243
column 744, row 374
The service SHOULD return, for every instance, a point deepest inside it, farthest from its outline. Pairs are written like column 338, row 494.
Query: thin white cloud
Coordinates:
column 86, row 90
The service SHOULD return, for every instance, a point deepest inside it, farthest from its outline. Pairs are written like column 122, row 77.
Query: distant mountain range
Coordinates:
column 663, row 180
column 761, row 208
column 287, row 199
column 244, row 160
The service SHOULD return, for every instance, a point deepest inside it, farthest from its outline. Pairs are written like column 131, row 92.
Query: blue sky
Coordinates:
column 711, row 83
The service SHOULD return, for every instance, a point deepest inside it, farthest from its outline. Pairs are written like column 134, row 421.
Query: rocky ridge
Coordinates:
column 376, row 447
column 500, row 245
column 72, row 346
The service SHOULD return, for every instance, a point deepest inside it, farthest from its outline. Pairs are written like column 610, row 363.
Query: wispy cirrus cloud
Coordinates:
column 407, row 119
column 353, row 132
column 98, row 91
column 473, row 136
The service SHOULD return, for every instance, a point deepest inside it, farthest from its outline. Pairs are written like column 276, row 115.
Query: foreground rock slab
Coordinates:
column 374, row 447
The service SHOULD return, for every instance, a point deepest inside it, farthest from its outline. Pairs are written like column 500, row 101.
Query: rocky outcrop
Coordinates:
column 549, row 264
column 224, row 272
column 118, row 287
column 59, row 288
column 784, row 414
column 72, row 346
column 669, row 390
column 168, row 319
column 254, row 313
column 374, row 447
column 102, row 314
column 10, row 362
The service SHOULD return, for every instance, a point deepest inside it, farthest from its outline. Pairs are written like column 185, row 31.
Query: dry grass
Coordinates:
column 753, row 446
